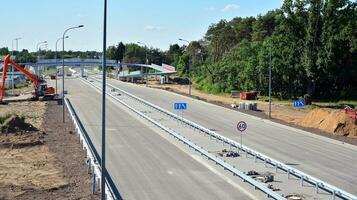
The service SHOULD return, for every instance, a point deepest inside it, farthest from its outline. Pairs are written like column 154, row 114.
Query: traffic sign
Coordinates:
column 180, row 106
column 299, row 103
column 241, row 126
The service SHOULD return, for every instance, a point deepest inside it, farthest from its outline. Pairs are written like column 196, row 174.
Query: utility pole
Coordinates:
column 104, row 67
column 270, row 80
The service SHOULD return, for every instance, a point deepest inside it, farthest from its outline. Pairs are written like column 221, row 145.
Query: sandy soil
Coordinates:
column 51, row 165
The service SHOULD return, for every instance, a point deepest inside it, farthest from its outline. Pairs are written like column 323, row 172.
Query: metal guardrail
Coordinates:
column 226, row 166
column 319, row 184
column 94, row 159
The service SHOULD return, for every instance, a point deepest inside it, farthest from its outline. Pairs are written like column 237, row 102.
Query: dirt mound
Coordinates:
column 16, row 133
column 331, row 121
column 15, row 124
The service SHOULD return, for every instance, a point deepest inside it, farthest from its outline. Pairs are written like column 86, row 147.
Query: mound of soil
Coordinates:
column 15, row 124
column 16, row 133
column 331, row 121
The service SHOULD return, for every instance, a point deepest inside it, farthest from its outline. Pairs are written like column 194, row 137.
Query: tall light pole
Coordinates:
column 146, row 58
column 12, row 69
column 189, row 68
column 104, row 67
column 63, row 37
column 38, row 54
column 56, row 58
column 270, row 80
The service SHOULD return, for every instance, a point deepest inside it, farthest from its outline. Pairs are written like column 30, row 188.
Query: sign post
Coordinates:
column 241, row 126
column 180, row 107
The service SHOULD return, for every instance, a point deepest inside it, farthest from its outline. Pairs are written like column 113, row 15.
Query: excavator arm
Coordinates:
column 29, row 75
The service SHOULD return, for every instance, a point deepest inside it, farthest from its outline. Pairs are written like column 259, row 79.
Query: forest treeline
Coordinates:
column 312, row 44
column 313, row 47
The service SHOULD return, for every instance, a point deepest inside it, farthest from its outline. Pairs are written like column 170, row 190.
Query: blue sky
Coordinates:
column 158, row 23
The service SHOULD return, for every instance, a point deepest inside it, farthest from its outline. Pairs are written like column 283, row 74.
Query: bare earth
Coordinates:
column 43, row 164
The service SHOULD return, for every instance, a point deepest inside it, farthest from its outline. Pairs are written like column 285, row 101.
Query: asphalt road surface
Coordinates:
column 324, row 158
column 143, row 164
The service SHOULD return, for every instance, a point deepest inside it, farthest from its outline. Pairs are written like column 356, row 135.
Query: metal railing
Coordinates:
column 319, row 184
column 226, row 166
column 94, row 159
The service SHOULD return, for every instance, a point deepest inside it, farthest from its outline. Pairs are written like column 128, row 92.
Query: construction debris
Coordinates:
column 294, row 197
column 228, row 153
column 264, row 177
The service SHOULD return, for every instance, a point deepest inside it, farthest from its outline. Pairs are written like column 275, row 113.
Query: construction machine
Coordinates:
column 41, row 91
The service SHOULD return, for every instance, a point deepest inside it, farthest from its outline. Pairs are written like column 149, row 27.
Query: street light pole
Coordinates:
column 56, row 58
column 12, row 68
column 38, row 55
column 63, row 37
column 146, row 59
column 189, row 68
column 104, row 67
column 270, row 81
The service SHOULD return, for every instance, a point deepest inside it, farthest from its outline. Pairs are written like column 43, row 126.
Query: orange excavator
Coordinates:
column 41, row 90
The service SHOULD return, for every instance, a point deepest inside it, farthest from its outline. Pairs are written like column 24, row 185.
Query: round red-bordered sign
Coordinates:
column 241, row 126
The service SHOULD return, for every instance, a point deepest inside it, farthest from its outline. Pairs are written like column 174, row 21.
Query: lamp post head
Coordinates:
column 66, row 37
column 80, row 26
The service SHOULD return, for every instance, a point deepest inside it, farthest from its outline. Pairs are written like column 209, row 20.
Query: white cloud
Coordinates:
column 230, row 7
column 152, row 28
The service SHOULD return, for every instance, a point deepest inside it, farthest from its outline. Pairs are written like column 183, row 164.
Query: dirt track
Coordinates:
column 53, row 168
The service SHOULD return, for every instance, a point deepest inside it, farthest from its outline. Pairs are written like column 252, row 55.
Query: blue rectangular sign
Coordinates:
column 180, row 106
column 300, row 103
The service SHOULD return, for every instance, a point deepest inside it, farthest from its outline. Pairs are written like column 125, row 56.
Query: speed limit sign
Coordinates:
column 241, row 126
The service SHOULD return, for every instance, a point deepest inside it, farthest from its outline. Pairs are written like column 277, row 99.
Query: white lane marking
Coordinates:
column 197, row 158
column 258, row 119
column 228, row 180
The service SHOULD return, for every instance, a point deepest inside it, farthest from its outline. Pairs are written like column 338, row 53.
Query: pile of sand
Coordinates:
column 25, row 163
column 331, row 121
column 16, row 124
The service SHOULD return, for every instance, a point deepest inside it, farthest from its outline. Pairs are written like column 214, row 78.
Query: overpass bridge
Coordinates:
column 81, row 63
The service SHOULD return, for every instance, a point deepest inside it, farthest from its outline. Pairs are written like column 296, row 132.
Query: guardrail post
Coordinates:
column 276, row 168
column 94, row 183
column 265, row 162
column 85, row 152
column 288, row 173
column 89, row 167
column 302, row 181
column 333, row 195
column 317, row 188
column 98, row 184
